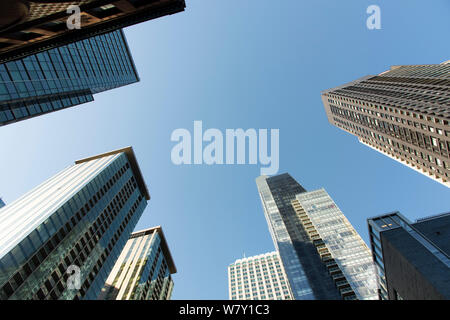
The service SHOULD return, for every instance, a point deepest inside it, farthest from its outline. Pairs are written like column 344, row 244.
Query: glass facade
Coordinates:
column 261, row 277
column 61, row 240
column 323, row 256
column 338, row 238
column 308, row 278
column 2, row 203
column 64, row 77
column 143, row 270
column 428, row 244
column 377, row 225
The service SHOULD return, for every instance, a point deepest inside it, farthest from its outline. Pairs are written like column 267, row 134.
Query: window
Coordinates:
column 434, row 141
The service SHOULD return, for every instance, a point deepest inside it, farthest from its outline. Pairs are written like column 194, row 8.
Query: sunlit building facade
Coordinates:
column 143, row 270
column 260, row 277
column 342, row 250
column 61, row 239
column 403, row 113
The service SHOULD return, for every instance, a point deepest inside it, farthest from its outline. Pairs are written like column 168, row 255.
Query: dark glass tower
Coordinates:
column 324, row 257
column 412, row 258
column 2, row 204
column 63, row 77
column 308, row 277
column 61, row 239
column 143, row 269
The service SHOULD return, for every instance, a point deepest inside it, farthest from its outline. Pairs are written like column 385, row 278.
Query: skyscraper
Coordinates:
column 412, row 258
column 61, row 239
column 260, row 277
column 143, row 269
column 342, row 250
column 276, row 194
column 31, row 26
column 316, row 260
column 64, row 77
column 2, row 203
column 403, row 113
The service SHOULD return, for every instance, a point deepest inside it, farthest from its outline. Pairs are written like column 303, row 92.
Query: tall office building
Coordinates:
column 260, row 277
column 412, row 258
column 341, row 249
column 143, row 269
column 31, row 26
column 2, row 203
column 64, row 77
column 323, row 256
column 61, row 239
column 403, row 113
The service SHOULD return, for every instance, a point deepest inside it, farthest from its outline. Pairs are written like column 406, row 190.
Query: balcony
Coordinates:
column 347, row 291
column 318, row 242
column 351, row 297
column 326, row 256
column 331, row 263
column 338, row 277
column 342, row 284
column 320, row 247
column 314, row 237
column 334, row 270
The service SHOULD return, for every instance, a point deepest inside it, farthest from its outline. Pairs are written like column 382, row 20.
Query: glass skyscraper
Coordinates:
column 318, row 263
column 260, row 277
column 61, row 239
column 143, row 269
column 2, row 203
column 64, row 77
column 342, row 250
column 290, row 240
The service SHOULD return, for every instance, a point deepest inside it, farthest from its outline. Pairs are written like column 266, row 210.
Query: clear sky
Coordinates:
column 242, row 64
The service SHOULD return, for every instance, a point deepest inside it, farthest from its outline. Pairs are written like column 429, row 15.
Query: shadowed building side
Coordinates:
column 31, row 26
column 412, row 258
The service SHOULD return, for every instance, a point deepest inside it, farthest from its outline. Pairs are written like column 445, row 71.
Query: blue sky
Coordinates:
column 242, row 64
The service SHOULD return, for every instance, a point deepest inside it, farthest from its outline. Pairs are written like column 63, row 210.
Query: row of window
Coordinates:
column 430, row 143
column 54, row 286
column 105, row 254
column 54, row 241
column 341, row 100
column 417, row 138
